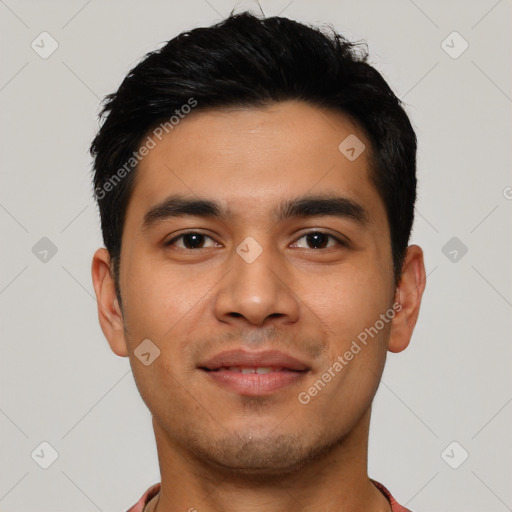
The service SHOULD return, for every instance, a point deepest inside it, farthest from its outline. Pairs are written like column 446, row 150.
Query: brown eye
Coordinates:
column 320, row 240
column 190, row 241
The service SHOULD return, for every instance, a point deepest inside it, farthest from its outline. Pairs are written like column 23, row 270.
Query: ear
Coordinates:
column 408, row 299
column 109, row 312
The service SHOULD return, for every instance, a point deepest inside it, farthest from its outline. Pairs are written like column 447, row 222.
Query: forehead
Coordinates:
column 251, row 158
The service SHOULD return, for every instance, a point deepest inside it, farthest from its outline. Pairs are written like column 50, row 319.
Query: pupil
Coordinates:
column 196, row 240
column 317, row 239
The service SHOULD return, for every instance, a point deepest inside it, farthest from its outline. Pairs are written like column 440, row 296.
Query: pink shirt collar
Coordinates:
column 155, row 488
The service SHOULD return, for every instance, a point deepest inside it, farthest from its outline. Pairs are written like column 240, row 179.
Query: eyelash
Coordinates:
column 340, row 241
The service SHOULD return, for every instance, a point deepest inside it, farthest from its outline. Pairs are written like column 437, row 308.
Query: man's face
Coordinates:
column 317, row 284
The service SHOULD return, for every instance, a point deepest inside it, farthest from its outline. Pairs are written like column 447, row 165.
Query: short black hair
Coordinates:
column 251, row 61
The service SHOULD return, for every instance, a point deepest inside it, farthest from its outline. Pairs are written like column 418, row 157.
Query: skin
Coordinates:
column 219, row 450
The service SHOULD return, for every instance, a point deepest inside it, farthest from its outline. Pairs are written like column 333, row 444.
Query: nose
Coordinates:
column 257, row 291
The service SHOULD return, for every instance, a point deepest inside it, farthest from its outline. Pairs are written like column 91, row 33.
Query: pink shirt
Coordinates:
column 153, row 491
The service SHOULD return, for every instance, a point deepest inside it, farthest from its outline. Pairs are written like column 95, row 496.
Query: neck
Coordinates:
column 336, row 481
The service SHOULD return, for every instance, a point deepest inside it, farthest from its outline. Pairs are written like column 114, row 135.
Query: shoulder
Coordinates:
column 149, row 494
column 395, row 507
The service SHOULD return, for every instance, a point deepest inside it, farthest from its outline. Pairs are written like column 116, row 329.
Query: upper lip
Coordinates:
column 243, row 358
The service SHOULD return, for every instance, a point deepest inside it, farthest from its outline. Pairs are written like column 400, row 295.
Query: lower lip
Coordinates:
column 255, row 384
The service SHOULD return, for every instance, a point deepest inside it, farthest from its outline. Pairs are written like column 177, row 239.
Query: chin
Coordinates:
column 259, row 457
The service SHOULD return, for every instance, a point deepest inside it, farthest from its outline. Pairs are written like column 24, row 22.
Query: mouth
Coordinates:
column 260, row 370
column 254, row 373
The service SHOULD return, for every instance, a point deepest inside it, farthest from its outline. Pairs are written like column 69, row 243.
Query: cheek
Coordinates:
column 349, row 302
column 165, row 393
column 160, row 299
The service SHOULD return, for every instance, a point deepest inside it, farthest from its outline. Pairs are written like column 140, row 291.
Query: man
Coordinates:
column 256, row 186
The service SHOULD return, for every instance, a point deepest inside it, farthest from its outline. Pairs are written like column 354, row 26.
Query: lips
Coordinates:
column 254, row 373
column 260, row 370
column 238, row 360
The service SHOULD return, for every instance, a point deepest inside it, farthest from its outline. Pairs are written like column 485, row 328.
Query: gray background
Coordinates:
column 59, row 381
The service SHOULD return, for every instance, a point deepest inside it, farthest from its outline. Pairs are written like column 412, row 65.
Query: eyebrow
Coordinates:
column 304, row 206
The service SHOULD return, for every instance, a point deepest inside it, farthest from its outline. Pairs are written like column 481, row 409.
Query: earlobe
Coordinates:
column 408, row 297
column 109, row 312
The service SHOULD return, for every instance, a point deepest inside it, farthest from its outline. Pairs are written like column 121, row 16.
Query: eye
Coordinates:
column 194, row 240
column 191, row 240
column 319, row 240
